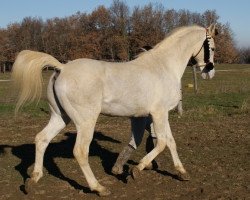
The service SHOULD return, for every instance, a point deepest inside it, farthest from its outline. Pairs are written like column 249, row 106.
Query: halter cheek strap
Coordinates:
column 208, row 36
column 206, row 47
column 202, row 45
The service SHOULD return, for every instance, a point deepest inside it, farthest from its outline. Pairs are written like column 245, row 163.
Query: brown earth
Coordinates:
column 214, row 152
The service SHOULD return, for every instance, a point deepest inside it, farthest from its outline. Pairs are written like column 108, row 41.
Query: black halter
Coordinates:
column 206, row 48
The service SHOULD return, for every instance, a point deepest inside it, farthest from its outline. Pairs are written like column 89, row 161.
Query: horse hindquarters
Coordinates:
column 81, row 100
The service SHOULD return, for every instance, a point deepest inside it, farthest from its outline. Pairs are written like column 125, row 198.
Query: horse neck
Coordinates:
column 173, row 54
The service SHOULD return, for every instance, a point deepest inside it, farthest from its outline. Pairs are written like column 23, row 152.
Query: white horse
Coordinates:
column 82, row 89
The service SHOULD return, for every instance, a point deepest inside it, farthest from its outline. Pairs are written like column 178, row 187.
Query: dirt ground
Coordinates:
column 214, row 152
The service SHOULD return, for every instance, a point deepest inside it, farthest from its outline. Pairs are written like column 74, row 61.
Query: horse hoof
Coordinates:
column 29, row 184
column 183, row 176
column 135, row 172
column 105, row 192
column 117, row 170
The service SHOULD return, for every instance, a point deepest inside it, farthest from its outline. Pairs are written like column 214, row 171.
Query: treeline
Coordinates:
column 244, row 55
column 115, row 33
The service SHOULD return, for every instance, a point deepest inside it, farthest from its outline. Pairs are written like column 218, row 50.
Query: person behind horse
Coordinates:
column 138, row 127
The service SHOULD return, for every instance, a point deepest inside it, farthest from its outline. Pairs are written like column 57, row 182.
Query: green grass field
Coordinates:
column 227, row 93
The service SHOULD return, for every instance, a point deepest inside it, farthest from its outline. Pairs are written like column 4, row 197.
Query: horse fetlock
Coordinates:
column 135, row 172
column 149, row 166
column 122, row 159
column 104, row 192
column 180, row 168
column 117, row 169
column 36, row 176
column 183, row 176
column 101, row 190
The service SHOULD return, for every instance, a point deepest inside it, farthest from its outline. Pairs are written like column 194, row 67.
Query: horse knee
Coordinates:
column 41, row 139
column 55, row 125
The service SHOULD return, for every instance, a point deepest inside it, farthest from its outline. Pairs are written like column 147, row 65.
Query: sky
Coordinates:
column 234, row 12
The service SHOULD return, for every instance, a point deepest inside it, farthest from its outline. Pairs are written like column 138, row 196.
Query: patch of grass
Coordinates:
column 5, row 76
column 228, row 93
column 8, row 99
column 201, row 105
column 6, row 108
column 33, row 110
column 36, row 110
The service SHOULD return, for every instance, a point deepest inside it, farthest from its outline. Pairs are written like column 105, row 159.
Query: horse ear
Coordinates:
column 212, row 30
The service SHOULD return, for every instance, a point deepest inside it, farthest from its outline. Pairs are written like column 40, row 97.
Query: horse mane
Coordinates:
column 171, row 37
column 177, row 32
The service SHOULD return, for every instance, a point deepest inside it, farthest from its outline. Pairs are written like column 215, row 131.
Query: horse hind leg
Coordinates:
column 84, row 137
column 42, row 140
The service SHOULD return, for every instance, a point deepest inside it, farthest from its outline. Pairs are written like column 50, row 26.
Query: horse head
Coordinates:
column 204, row 58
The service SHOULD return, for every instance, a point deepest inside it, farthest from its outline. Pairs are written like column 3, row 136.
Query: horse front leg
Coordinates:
column 164, row 138
column 181, row 172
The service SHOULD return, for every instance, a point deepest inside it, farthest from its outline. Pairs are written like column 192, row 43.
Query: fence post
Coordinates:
column 179, row 106
column 195, row 80
column 3, row 68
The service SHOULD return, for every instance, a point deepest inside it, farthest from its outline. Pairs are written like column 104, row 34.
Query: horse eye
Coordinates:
column 212, row 49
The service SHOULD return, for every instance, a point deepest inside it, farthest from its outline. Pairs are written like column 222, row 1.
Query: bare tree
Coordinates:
column 113, row 33
column 119, row 43
column 226, row 51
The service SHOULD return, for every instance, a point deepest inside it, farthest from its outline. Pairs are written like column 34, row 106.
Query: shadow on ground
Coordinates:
column 62, row 149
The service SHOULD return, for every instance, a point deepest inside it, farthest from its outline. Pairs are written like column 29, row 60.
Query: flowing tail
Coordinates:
column 27, row 75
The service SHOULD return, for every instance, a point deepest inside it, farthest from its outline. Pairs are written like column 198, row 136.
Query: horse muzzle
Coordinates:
column 208, row 71
column 209, row 66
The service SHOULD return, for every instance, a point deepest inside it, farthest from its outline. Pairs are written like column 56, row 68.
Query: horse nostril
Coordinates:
column 209, row 66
